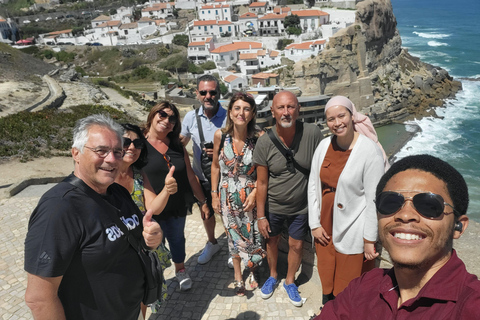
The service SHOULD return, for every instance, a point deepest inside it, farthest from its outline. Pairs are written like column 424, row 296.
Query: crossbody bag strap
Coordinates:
column 200, row 128
column 296, row 141
column 108, row 208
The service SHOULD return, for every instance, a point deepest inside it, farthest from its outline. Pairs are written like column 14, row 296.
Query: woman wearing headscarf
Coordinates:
column 345, row 171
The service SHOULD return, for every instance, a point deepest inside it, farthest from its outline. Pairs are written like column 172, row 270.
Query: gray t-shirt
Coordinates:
column 287, row 192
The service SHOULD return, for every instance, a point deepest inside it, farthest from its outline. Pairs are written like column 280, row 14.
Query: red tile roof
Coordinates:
column 102, row 18
column 257, row 4
column 264, row 75
column 241, row 45
column 230, row 78
column 310, row 13
column 248, row 56
column 272, row 16
column 60, row 32
column 248, row 15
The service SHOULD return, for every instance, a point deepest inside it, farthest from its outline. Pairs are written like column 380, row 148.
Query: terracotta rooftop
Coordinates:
column 196, row 43
column 304, row 45
column 230, row 78
column 248, row 15
column 261, row 52
column 132, row 25
column 102, row 18
column 278, row 10
column 160, row 21
column 215, row 6
column 60, row 32
column 257, row 4
column 264, row 75
column 270, row 16
column 238, row 46
column 248, row 56
column 274, row 53
column 310, row 13
column 145, row 19
column 210, row 22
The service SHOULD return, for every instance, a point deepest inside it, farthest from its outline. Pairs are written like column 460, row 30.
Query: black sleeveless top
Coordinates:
column 156, row 171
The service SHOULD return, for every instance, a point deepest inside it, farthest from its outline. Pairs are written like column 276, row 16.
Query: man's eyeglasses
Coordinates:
column 167, row 160
column 103, row 152
column 204, row 92
column 428, row 205
column 290, row 161
column 137, row 143
column 172, row 119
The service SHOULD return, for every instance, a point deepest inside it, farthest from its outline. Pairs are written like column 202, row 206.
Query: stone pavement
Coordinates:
column 211, row 296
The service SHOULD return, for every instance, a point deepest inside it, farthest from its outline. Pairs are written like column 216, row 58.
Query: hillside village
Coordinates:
column 240, row 37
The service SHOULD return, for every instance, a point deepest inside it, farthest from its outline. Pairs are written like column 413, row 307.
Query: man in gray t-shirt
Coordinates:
column 282, row 188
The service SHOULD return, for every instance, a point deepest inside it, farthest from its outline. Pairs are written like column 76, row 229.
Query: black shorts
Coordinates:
column 297, row 225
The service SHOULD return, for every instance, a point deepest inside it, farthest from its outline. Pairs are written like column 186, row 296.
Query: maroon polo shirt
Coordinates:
column 452, row 293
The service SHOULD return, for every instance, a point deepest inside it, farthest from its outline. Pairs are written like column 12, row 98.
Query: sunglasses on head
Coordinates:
column 428, row 205
column 137, row 143
column 172, row 119
column 204, row 92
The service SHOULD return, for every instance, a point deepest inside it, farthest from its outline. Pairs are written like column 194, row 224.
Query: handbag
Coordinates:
column 151, row 265
column 205, row 161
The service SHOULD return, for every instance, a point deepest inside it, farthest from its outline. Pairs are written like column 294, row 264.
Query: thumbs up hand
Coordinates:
column 152, row 233
column 170, row 182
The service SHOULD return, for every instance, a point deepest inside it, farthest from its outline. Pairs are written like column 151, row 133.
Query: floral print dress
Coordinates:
column 237, row 181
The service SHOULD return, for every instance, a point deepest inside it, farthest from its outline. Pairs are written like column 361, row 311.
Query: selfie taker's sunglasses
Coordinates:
column 427, row 204
column 204, row 92
column 137, row 143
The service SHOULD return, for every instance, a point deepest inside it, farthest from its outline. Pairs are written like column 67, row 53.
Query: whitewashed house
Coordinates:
column 212, row 28
column 100, row 20
column 311, row 20
column 199, row 51
column 228, row 55
column 185, row 4
column 258, row 7
column 215, row 12
column 234, row 82
column 248, row 63
column 128, row 33
column 271, row 24
column 248, row 24
column 304, row 50
column 124, row 14
column 160, row 10
column 268, row 58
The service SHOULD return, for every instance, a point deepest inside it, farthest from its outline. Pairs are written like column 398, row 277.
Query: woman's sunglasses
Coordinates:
column 428, row 205
column 137, row 143
column 172, row 119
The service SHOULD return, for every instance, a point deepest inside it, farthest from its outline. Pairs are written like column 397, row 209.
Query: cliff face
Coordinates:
column 366, row 63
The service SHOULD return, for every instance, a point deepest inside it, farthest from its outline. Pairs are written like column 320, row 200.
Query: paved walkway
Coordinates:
column 211, row 296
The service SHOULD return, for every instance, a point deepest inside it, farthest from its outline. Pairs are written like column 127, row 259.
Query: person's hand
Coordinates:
column 369, row 251
column 216, row 203
column 209, row 152
column 249, row 203
column 170, row 182
column 204, row 211
column 321, row 236
column 264, row 228
column 152, row 233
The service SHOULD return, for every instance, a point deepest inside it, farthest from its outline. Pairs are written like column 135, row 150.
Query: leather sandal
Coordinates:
column 239, row 288
column 253, row 280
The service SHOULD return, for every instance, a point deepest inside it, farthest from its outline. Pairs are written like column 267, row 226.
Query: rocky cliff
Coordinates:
column 366, row 63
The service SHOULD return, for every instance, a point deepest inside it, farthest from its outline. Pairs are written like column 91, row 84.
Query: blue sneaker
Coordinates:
column 293, row 295
column 268, row 288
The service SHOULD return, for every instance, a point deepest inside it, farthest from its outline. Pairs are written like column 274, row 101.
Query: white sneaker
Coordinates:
column 184, row 280
column 208, row 252
column 230, row 262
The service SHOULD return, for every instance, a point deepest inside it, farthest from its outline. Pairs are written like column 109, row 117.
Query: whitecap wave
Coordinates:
column 436, row 44
column 432, row 35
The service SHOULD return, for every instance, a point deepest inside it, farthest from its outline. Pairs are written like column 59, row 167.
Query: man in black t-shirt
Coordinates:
column 79, row 262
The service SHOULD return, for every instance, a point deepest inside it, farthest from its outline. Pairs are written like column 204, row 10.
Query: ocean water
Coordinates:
column 446, row 33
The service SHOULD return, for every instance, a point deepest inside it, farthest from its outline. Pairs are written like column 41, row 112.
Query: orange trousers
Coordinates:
column 336, row 269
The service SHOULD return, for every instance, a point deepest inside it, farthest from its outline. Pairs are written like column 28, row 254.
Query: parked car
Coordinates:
column 70, row 16
column 60, row 17
column 26, row 21
column 96, row 44
column 38, row 19
column 48, row 18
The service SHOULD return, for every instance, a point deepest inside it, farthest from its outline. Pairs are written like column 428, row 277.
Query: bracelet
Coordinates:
column 202, row 202
column 214, row 191
column 261, row 218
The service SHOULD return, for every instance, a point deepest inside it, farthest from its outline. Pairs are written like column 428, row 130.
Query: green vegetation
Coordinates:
column 292, row 24
column 127, row 94
column 27, row 135
column 282, row 43
column 180, row 40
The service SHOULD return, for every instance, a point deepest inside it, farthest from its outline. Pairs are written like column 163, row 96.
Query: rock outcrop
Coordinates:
column 366, row 63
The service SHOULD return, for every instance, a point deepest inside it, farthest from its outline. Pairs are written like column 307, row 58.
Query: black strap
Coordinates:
column 222, row 142
column 200, row 128
column 108, row 208
column 287, row 153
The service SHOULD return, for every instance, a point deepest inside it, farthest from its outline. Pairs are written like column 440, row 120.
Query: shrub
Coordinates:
column 180, row 40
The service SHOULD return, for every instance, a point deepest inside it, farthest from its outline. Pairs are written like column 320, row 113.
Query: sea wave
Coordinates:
column 436, row 44
column 432, row 35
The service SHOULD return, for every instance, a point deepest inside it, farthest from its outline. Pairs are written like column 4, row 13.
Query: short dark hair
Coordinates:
column 208, row 78
column 143, row 158
column 456, row 185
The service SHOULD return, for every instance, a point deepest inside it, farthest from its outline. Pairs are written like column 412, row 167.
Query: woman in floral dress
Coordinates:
column 233, row 187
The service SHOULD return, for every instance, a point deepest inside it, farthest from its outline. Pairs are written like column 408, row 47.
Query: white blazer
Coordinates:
column 354, row 212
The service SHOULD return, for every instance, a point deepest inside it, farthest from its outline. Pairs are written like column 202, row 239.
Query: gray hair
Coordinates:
column 208, row 78
column 82, row 127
